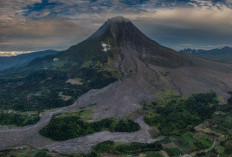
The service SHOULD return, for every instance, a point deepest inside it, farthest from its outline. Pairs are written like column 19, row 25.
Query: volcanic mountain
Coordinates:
column 110, row 73
column 147, row 67
column 119, row 53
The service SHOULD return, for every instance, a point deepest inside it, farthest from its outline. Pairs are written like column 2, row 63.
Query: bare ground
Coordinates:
column 29, row 135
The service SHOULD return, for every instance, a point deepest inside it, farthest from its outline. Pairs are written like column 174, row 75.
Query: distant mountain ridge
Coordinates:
column 220, row 54
column 7, row 62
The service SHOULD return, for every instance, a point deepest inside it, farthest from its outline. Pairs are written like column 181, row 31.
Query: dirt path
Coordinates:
column 214, row 142
column 204, row 150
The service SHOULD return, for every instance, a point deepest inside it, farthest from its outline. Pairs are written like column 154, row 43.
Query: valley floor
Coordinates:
column 11, row 137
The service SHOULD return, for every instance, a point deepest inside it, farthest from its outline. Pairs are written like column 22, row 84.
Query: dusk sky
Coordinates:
column 31, row 25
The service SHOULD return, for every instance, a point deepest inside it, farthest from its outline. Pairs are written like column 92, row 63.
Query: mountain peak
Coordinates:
column 226, row 48
column 118, row 19
column 123, row 31
column 112, row 26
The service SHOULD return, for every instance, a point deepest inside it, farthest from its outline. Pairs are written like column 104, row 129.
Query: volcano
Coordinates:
column 131, row 67
column 123, row 67
column 147, row 67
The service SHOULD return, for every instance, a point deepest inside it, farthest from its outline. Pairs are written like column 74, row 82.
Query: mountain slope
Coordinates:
column 222, row 55
column 118, row 50
column 23, row 59
column 148, row 67
column 110, row 73
column 58, row 80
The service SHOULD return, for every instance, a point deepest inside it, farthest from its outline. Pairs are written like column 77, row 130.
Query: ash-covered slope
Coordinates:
column 148, row 67
column 126, row 34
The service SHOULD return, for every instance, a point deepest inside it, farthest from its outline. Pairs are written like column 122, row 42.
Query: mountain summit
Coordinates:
column 125, row 34
column 121, row 29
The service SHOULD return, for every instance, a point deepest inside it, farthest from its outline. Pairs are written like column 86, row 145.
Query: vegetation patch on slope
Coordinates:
column 210, row 135
column 126, row 148
column 72, row 125
column 58, row 80
column 220, row 126
column 11, row 117
column 33, row 152
column 104, row 149
column 178, row 115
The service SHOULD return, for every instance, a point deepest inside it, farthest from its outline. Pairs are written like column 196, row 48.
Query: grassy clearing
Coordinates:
column 83, row 114
column 153, row 154
column 173, row 152
column 186, row 143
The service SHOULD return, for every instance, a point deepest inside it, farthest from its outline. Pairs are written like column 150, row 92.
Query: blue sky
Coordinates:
column 30, row 25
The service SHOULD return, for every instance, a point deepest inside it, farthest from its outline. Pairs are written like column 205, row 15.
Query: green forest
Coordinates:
column 58, row 80
column 68, row 126
column 11, row 117
column 180, row 115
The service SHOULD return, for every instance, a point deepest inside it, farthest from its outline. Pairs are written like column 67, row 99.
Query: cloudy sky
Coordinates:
column 30, row 25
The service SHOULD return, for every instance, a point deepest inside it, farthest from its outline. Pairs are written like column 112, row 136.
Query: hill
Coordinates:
column 220, row 54
column 23, row 59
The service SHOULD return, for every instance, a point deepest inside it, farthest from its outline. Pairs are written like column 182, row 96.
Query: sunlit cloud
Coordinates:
column 57, row 24
column 13, row 53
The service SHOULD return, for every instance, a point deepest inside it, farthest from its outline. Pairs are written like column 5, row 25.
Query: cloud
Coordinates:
column 13, row 53
column 12, row 8
column 46, row 33
column 37, row 24
column 229, row 2
column 41, row 24
column 197, row 25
